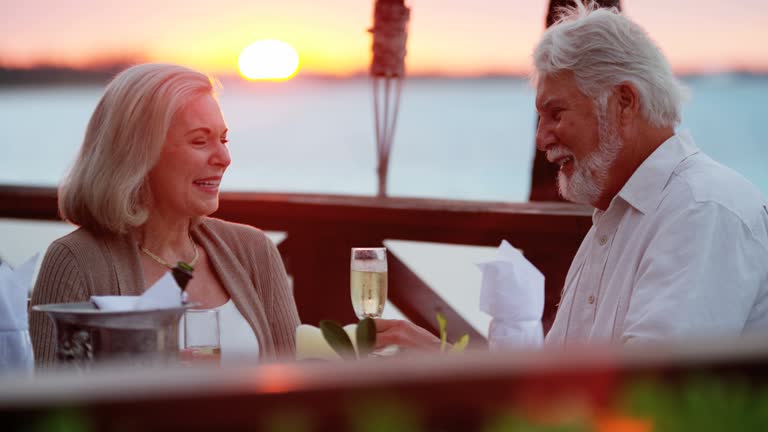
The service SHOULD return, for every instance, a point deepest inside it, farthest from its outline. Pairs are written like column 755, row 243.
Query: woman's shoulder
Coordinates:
column 80, row 240
column 71, row 255
column 81, row 248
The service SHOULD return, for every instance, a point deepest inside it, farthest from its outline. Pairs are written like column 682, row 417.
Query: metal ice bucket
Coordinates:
column 85, row 334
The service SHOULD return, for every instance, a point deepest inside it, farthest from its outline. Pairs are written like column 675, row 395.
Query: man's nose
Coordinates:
column 545, row 137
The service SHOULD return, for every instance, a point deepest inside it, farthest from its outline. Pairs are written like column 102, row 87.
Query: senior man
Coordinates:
column 679, row 243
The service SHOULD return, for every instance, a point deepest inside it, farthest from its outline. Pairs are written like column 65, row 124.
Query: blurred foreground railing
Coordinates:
column 321, row 229
column 712, row 386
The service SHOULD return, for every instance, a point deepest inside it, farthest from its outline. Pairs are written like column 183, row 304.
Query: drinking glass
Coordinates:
column 202, row 336
column 368, row 281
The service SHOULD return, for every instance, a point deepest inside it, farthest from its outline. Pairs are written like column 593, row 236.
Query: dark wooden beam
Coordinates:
column 28, row 202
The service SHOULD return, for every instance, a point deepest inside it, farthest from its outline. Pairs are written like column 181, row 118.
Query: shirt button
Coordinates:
column 603, row 240
column 591, row 299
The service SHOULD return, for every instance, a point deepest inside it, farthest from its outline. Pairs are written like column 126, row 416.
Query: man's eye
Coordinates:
column 199, row 142
column 557, row 113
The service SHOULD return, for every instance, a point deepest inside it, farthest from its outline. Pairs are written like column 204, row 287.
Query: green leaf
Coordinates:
column 461, row 344
column 337, row 338
column 366, row 337
column 443, row 333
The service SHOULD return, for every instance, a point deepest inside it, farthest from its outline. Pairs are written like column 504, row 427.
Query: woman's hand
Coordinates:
column 404, row 334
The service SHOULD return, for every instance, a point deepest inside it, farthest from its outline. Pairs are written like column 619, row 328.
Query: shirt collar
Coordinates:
column 643, row 189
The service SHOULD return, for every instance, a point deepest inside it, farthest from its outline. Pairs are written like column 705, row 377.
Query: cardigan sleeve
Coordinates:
column 60, row 280
column 281, row 307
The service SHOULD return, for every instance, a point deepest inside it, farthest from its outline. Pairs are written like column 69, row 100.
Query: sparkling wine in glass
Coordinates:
column 368, row 281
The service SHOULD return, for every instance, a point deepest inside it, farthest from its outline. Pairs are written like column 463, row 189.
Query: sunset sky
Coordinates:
column 453, row 37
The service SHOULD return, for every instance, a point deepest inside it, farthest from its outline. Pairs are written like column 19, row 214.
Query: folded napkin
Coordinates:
column 165, row 293
column 311, row 345
column 15, row 344
column 512, row 293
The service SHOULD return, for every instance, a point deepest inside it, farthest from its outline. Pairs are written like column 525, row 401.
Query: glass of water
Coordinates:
column 202, row 337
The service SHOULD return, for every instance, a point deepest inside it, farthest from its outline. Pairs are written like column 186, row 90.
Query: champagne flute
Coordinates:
column 368, row 281
column 202, row 340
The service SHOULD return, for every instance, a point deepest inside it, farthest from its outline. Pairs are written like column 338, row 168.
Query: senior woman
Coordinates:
column 144, row 182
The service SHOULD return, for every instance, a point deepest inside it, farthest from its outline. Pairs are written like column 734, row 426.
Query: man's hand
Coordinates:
column 404, row 334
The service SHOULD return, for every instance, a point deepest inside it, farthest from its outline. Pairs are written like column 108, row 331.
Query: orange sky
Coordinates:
column 454, row 37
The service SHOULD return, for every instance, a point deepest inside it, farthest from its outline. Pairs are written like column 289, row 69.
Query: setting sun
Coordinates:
column 268, row 60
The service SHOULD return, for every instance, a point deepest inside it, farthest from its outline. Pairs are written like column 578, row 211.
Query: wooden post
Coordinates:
column 544, row 174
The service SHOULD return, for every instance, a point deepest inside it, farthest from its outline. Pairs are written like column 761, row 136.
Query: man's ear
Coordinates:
column 628, row 102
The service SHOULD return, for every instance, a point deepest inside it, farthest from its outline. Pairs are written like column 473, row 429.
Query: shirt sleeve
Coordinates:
column 697, row 277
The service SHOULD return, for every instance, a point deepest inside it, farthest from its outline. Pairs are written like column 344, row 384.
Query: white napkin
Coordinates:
column 512, row 292
column 15, row 344
column 165, row 293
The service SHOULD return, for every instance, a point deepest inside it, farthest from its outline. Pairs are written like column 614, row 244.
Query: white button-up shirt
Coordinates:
column 682, row 250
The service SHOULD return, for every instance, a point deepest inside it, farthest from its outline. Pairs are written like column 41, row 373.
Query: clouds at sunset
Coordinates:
column 452, row 37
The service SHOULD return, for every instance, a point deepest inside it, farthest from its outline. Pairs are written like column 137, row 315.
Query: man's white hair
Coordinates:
column 603, row 48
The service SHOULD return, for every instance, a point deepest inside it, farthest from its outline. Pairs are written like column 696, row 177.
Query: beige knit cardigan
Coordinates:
column 247, row 263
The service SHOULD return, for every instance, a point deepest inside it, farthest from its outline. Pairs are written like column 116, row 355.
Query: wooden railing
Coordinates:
column 712, row 386
column 321, row 229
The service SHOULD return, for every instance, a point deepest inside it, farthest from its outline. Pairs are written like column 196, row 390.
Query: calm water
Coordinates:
column 466, row 139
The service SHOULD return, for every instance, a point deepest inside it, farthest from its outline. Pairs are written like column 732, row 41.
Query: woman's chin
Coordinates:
column 207, row 208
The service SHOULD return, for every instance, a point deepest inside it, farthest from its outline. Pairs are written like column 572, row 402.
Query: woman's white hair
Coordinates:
column 603, row 48
column 106, row 189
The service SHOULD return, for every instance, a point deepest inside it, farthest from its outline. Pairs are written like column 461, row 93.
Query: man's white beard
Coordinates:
column 590, row 174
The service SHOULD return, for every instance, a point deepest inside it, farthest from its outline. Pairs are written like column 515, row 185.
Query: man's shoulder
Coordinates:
column 701, row 181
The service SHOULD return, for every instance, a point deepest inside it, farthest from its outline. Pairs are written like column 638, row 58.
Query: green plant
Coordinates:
column 337, row 338
column 459, row 346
